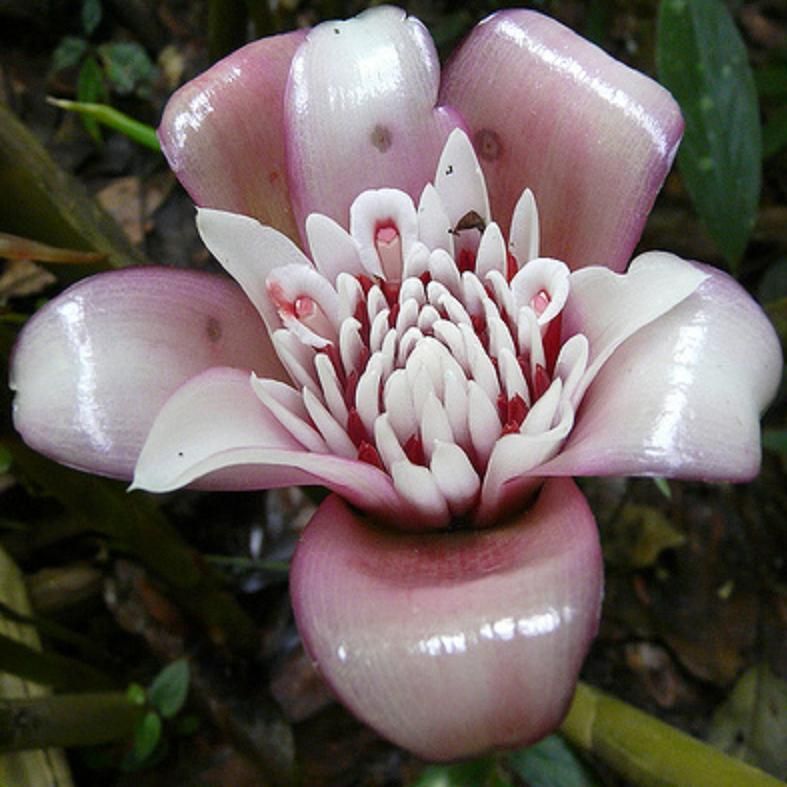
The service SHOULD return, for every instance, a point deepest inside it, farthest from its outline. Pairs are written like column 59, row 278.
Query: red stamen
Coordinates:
column 512, row 267
column 365, row 282
column 393, row 314
column 516, row 410
column 466, row 261
column 368, row 453
column 414, row 450
column 541, row 381
column 391, row 291
column 356, row 431
column 552, row 342
column 350, row 384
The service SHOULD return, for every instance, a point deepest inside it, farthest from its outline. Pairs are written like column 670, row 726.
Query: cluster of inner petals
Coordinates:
column 418, row 359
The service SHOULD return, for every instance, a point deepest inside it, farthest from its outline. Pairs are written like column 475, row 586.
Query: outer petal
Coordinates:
column 452, row 643
column 93, row 367
column 683, row 396
column 361, row 112
column 223, row 133
column 214, row 430
column 550, row 111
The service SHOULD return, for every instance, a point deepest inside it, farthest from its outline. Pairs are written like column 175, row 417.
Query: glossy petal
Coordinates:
column 215, row 431
column 223, row 133
column 93, row 367
column 361, row 112
column 682, row 397
column 550, row 111
column 453, row 643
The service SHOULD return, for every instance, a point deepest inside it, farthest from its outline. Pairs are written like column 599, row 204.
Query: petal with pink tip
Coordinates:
column 93, row 367
column 683, row 396
column 216, row 432
column 550, row 111
column 450, row 644
column 248, row 251
column 223, row 133
column 361, row 112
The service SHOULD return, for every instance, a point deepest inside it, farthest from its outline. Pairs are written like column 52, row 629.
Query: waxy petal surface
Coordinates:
column 223, row 133
column 683, row 396
column 361, row 112
column 453, row 643
column 92, row 369
column 215, row 433
column 550, row 111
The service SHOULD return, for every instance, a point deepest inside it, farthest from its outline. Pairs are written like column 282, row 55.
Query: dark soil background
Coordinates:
column 696, row 602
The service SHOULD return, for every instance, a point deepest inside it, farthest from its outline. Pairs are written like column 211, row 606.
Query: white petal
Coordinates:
column 331, row 389
column 434, row 425
column 434, row 226
column 297, row 358
column 491, row 255
column 249, row 252
column 332, row 248
column 483, row 421
column 286, row 404
column 542, row 275
column 542, row 413
column 459, row 180
column 455, row 477
column 334, row 434
column 524, row 236
column 416, row 484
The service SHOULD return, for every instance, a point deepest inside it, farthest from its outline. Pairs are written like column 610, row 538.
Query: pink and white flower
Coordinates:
column 432, row 323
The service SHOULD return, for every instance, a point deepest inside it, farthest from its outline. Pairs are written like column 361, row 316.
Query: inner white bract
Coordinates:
column 420, row 339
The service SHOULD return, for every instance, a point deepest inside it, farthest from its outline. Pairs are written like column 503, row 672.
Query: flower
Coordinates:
column 442, row 351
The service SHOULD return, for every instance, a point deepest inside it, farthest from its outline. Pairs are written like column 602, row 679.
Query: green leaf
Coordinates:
column 169, row 688
column 136, row 694
column 68, row 52
column 146, row 738
column 476, row 773
column 703, row 61
column 752, row 723
column 551, row 762
column 90, row 88
column 774, row 134
column 91, row 15
column 127, row 66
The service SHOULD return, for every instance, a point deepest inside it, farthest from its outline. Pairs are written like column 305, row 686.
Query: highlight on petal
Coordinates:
column 590, row 137
column 454, row 643
column 93, row 367
column 214, row 432
column 223, row 133
column 361, row 112
column 682, row 397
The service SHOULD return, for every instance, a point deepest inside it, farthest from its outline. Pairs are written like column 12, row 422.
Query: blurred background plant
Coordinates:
column 102, row 593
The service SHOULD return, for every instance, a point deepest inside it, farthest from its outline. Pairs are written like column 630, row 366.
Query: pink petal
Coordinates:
column 361, row 112
column 591, row 138
column 93, row 367
column 214, row 430
column 223, row 134
column 453, row 643
column 683, row 396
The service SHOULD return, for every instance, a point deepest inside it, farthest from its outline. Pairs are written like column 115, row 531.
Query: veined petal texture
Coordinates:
column 92, row 369
column 550, row 111
column 454, row 643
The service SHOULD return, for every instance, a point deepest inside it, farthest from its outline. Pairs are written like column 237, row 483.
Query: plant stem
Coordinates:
column 66, row 720
column 647, row 751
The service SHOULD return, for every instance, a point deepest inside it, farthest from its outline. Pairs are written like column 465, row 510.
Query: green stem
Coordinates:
column 112, row 118
column 66, row 720
column 649, row 752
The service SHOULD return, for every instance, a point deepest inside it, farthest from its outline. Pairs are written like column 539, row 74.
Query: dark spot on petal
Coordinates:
column 450, row 170
column 381, row 137
column 213, row 329
column 488, row 144
column 336, row 30
column 180, row 453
